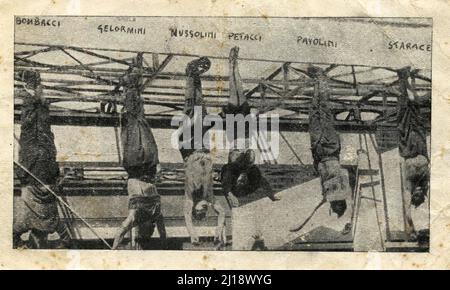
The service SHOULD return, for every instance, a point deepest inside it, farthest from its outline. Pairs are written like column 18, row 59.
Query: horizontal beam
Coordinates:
column 216, row 101
column 117, row 72
column 164, row 122
column 80, row 180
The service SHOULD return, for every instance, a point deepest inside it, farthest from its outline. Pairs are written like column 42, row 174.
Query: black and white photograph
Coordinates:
column 222, row 133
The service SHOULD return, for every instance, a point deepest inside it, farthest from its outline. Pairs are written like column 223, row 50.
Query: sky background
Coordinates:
column 354, row 37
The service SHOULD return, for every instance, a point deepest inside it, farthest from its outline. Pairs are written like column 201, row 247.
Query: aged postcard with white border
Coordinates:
column 224, row 135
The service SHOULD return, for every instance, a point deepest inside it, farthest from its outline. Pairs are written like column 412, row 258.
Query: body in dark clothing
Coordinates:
column 140, row 160
column 37, row 153
column 411, row 125
column 39, row 216
column 37, row 150
column 240, row 181
column 412, row 148
column 237, row 101
column 241, row 177
column 139, row 145
column 325, row 143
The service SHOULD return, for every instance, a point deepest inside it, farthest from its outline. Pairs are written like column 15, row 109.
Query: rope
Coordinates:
column 63, row 202
column 356, row 203
column 118, row 138
column 291, row 148
column 266, row 150
column 355, row 83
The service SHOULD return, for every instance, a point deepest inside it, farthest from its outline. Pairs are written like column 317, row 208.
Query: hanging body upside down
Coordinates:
column 37, row 153
column 140, row 160
column 241, row 176
column 412, row 149
column 144, row 212
column 326, row 146
column 199, row 194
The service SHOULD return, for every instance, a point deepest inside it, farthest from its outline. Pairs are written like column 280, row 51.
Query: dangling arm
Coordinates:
column 124, row 228
column 188, row 204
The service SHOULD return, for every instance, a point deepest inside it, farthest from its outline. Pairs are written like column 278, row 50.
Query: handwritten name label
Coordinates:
column 400, row 45
column 316, row 41
column 190, row 33
column 244, row 36
column 104, row 28
column 36, row 21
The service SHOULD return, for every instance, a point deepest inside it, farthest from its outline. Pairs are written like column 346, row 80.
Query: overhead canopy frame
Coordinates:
column 364, row 96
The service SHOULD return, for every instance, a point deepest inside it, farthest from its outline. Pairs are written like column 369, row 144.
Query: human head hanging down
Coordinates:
column 325, row 143
column 37, row 153
column 240, row 177
column 193, row 98
column 141, row 161
column 199, row 194
column 412, row 147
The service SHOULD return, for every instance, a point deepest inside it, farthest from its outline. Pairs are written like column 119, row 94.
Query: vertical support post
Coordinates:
column 384, row 106
column 155, row 59
column 262, row 93
column 286, row 77
column 355, row 83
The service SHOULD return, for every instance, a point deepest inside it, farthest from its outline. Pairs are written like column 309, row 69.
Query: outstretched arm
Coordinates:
column 127, row 225
column 265, row 185
column 227, row 180
column 162, row 231
column 220, row 230
column 188, row 204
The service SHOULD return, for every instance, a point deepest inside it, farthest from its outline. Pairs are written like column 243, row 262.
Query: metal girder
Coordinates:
column 287, row 87
column 163, row 121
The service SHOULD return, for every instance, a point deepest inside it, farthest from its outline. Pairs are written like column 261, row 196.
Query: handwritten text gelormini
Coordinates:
column 105, row 28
